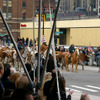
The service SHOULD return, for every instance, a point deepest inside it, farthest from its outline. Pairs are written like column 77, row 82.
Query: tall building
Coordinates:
column 45, row 5
column 16, row 11
column 70, row 5
column 63, row 5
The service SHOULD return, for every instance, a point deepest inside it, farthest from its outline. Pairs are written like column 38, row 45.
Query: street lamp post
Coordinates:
column 39, row 39
column 43, row 18
column 55, row 38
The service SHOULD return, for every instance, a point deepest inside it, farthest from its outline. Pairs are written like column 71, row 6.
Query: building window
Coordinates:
column 4, row 14
column 99, row 10
column 3, row 27
column 9, row 3
column 24, row 16
column 4, row 9
column 4, row 2
column 10, row 10
column 10, row 26
column 24, row 4
column 9, row 15
column 99, row 3
column 37, row 9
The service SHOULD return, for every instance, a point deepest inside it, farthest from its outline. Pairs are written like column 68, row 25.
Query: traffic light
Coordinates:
column 43, row 16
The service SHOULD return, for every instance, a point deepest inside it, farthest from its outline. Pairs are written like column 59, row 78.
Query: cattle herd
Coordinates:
column 9, row 55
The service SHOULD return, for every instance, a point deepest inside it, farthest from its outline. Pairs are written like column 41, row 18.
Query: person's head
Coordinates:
column 72, row 45
column 1, row 69
column 84, row 97
column 44, row 43
column 6, row 70
column 28, row 66
column 20, row 40
column 22, row 94
column 54, row 73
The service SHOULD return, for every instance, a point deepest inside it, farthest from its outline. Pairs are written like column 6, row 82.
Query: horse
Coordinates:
column 60, row 58
column 74, row 58
column 82, row 58
column 43, row 48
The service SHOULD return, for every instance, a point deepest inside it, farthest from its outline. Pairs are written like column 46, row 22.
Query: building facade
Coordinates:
column 45, row 5
column 16, row 11
column 84, row 33
column 70, row 5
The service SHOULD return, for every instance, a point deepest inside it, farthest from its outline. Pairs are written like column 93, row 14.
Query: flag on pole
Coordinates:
column 43, row 39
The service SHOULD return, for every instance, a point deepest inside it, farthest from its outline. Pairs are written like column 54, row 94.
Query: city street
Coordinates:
column 87, row 81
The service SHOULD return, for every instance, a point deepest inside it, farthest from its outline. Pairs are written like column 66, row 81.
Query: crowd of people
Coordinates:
column 89, row 51
column 21, row 42
column 16, row 86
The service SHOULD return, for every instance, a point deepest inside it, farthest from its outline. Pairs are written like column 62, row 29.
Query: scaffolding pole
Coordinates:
column 50, row 41
column 33, row 39
column 54, row 55
column 39, row 39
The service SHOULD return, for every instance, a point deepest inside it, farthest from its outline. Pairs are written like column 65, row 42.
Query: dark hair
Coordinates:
column 28, row 66
column 61, row 83
column 20, row 94
column 6, row 70
column 54, row 73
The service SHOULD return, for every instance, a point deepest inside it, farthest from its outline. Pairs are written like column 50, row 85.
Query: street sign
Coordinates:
column 59, row 32
column 48, row 15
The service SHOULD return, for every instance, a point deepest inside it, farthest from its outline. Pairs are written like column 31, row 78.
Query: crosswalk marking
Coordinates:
column 84, row 88
column 73, row 89
column 93, row 87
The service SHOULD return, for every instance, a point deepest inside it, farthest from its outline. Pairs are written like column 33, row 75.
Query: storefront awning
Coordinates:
column 2, row 34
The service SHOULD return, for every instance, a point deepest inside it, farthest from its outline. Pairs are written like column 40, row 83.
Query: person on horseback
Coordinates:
column 44, row 43
column 71, row 51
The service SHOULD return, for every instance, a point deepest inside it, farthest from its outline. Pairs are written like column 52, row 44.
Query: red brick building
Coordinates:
column 16, row 11
column 46, row 5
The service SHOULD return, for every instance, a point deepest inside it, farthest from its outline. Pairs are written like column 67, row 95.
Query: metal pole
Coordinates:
column 53, row 48
column 43, row 18
column 14, row 43
column 39, row 39
column 33, row 37
column 52, row 34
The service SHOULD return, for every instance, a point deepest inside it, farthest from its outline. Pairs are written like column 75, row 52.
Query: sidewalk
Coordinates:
column 76, row 96
column 89, row 68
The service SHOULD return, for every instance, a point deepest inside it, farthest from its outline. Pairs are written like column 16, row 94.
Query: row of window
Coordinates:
column 4, row 28
column 9, row 3
column 10, row 9
column 9, row 15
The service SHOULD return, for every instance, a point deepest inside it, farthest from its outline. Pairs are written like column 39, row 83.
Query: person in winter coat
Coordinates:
column 71, row 48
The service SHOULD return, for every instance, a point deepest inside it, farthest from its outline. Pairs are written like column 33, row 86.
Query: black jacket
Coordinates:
column 8, row 84
column 1, row 90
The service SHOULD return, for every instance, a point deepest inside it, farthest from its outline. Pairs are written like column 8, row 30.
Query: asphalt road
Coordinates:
column 87, row 81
